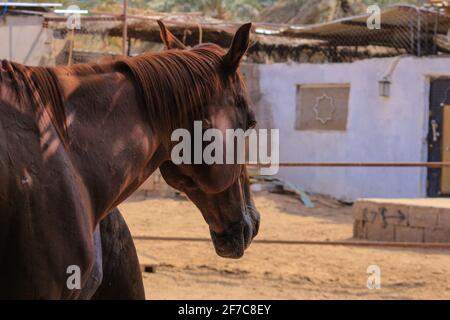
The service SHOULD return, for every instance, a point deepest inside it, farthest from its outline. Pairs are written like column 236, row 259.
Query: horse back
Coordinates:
column 45, row 212
column 4, row 177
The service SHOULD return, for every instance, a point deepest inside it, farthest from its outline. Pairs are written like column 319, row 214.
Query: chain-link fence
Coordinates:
column 397, row 30
column 401, row 30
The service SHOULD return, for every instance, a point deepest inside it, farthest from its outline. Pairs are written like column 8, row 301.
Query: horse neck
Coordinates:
column 110, row 141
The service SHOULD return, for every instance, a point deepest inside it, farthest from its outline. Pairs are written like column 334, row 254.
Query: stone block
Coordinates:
column 409, row 234
column 437, row 235
column 359, row 229
column 394, row 214
column 444, row 219
column 365, row 211
column 379, row 232
column 425, row 217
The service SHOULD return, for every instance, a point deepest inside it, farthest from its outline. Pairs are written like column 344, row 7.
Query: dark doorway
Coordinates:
column 438, row 180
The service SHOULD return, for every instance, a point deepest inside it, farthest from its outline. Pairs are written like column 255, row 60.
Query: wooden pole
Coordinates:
column 346, row 243
column 358, row 164
column 71, row 45
column 125, row 29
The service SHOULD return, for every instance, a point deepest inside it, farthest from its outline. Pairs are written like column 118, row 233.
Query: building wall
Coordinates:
column 24, row 40
column 379, row 129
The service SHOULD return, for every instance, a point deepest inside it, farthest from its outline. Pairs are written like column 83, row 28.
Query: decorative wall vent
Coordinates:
column 322, row 107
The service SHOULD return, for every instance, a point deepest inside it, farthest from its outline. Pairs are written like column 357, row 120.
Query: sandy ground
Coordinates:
column 193, row 271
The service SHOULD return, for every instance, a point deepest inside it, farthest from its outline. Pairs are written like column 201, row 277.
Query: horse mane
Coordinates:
column 39, row 84
column 175, row 86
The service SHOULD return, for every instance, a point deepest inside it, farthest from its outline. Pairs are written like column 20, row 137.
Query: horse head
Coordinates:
column 220, row 189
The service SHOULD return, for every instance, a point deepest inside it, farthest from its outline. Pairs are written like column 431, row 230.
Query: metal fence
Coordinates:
column 402, row 30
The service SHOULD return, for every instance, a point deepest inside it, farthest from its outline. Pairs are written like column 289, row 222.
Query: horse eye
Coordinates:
column 251, row 124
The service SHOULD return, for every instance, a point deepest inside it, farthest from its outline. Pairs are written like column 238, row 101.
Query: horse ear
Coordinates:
column 169, row 40
column 238, row 47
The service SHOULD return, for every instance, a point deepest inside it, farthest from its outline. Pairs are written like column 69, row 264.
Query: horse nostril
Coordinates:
column 256, row 228
column 248, row 235
column 255, row 219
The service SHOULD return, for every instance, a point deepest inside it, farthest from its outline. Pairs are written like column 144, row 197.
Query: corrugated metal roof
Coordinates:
column 27, row 8
column 402, row 26
column 403, row 30
column 30, row 4
column 389, row 17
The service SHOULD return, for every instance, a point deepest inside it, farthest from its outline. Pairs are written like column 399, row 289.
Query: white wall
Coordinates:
column 380, row 129
column 24, row 40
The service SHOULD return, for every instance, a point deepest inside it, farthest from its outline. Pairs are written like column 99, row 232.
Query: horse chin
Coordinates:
column 236, row 239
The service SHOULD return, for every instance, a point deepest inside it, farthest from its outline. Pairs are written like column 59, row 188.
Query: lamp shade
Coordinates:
column 384, row 87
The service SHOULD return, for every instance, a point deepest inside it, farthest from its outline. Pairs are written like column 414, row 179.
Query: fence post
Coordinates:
column 125, row 29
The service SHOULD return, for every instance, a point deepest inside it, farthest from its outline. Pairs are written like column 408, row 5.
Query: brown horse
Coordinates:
column 121, row 276
column 75, row 142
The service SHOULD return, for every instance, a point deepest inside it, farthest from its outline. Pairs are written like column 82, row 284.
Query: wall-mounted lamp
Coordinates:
column 384, row 87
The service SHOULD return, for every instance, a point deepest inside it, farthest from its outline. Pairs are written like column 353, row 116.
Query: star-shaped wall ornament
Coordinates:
column 324, row 108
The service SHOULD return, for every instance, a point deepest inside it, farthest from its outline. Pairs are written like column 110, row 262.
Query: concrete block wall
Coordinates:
column 402, row 220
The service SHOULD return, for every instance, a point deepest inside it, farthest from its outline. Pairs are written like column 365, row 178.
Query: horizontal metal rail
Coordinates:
column 349, row 243
column 357, row 164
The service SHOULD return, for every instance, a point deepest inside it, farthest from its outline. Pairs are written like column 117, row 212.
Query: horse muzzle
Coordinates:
column 234, row 240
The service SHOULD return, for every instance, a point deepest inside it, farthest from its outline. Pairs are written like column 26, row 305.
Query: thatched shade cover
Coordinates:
column 404, row 30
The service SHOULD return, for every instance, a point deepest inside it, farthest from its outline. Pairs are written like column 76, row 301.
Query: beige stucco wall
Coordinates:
column 24, row 40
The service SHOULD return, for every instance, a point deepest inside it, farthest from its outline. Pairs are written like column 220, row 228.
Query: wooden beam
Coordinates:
column 359, row 164
column 125, row 29
column 346, row 243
